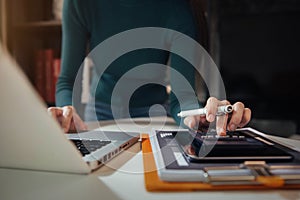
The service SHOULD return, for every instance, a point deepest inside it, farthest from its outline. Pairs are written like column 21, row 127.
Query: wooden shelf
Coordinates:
column 40, row 24
column 30, row 28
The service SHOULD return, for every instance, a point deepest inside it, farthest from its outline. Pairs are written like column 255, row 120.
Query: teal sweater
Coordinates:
column 90, row 22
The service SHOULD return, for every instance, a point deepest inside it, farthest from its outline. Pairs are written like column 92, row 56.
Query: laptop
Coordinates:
column 31, row 139
column 183, row 155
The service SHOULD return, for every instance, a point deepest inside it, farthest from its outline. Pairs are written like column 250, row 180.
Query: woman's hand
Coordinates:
column 239, row 117
column 68, row 119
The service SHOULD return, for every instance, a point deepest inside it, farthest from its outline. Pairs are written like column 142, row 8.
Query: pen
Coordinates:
column 222, row 110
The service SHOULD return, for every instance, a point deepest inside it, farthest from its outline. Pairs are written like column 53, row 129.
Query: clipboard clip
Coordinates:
column 253, row 173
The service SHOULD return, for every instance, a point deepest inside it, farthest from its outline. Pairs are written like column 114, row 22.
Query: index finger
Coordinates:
column 221, row 124
column 211, row 109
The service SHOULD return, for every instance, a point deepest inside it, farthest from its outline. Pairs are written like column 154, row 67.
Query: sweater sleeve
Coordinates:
column 182, row 76
column 74, row 42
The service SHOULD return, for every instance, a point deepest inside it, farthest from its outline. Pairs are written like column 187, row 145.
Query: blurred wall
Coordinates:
column 259, row 55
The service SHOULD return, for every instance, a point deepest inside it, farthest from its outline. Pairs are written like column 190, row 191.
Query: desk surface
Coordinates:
column 123, row 178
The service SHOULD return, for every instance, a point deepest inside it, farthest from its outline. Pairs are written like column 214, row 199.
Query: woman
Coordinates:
column 90, row 22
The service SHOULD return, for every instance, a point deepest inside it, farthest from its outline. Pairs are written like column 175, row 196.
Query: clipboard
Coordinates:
column 154, row 184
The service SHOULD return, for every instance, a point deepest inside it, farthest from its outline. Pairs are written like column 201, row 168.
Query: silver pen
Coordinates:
column 222, row 110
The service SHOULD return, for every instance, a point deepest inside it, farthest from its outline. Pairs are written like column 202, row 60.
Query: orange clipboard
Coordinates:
column 154, row 184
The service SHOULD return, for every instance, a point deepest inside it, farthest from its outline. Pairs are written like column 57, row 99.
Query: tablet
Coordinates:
column 241, row 145
column 182, row 155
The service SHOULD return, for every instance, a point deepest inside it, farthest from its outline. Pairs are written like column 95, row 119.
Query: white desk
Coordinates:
column 126, row 182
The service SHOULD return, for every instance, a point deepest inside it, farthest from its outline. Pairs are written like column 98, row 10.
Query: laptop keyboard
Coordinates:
column 87, row 146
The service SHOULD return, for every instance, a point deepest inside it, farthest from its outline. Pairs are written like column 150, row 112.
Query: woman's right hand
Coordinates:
column 68, row 118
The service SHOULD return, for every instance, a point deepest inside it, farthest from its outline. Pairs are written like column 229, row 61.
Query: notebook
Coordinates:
column 239, row 158
column 31, row 139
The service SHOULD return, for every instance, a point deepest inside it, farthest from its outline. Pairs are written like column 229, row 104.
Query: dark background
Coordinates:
column 259, row 51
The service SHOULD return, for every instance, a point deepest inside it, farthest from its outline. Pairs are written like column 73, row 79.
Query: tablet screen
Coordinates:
column 237, row 145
